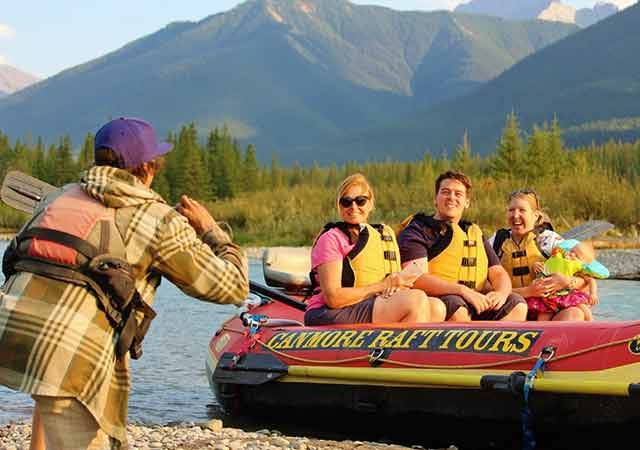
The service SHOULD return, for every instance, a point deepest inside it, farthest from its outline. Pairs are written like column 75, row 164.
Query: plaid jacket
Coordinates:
column 55, row 341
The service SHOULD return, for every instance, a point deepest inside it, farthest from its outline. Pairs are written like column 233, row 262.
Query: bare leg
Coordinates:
column 586, row 309
column 572, row 313
column 461, row 315
column 437, row 309
column 544, row 316
column 407, row 305
column 518, row 313
column 37, row 431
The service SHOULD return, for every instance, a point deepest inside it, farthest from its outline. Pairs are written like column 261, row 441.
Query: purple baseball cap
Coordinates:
column 132, row 139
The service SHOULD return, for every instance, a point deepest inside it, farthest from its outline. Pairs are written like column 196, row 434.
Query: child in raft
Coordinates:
column 569, row 257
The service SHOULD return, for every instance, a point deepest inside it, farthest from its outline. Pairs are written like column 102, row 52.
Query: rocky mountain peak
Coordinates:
column 12, row 79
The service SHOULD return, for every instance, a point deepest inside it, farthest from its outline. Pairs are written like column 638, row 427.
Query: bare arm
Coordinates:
column 437, row 287
column 500, row 285
column 336, row 296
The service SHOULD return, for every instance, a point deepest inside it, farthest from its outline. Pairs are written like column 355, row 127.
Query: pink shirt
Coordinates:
column 333, row 245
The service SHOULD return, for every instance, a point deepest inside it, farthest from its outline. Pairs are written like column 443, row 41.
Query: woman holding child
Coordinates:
column 356, row 273
column 552, row 274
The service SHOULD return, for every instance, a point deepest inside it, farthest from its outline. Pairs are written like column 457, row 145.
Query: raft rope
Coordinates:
column 528, row 435
column 432, row 366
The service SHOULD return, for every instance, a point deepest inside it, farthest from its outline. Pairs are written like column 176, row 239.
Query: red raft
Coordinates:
column 572, row 373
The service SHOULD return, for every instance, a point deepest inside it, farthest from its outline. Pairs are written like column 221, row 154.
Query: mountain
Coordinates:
column 551, row 10
column 586, row 17
column 12, row 79
column 507, row 9
column 281, row 74
column 590, row 80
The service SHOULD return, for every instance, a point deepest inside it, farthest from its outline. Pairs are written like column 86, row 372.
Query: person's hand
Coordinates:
column 537, row 288
column 556, row 282
column 496, row 299
column 398, row 280
column 593, row 293
column 479, row 301
column 538, row 267
column 196, row 214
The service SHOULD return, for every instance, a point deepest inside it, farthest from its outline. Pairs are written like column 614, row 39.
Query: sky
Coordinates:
column 45, row 37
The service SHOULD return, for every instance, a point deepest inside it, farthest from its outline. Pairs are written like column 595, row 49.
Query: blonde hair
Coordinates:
column 357, row 179
column 532, row 198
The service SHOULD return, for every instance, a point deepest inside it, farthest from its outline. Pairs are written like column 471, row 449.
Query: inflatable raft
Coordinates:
column 563, row 372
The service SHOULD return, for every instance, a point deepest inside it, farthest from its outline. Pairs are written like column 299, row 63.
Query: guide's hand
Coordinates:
column 196, row 214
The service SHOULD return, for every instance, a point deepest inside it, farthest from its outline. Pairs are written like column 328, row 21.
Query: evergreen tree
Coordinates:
column 508, row 160
column 537, row 156
column 250, row 170
column 276, row 172
column 190, row 176
column 65, row 168
column 462, row 159
column 85, row 157
column 557, row 156
column 39, row 163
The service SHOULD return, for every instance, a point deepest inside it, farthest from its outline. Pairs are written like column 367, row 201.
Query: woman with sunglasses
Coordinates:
column 524, row 246
column 356, row 274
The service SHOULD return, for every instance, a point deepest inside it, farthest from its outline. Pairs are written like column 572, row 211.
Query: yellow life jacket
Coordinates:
column 374, row 256
column 518, row 259
column 458, row 253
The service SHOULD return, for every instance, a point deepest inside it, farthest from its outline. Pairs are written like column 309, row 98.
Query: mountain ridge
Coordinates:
column 601, row 83
column 280, row 74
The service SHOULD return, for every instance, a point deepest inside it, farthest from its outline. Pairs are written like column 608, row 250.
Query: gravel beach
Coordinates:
column 622, row 264
column 208, row 435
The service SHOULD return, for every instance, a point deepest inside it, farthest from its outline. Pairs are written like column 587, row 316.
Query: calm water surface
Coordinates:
column 169, row 381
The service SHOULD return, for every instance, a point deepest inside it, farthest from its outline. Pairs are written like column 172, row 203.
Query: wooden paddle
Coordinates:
column 23, row 192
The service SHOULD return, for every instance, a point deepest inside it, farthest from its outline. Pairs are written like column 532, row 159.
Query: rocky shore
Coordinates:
column 622, row 264
column 208, row 435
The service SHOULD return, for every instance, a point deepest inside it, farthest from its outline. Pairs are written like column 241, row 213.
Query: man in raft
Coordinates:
column 458, row 264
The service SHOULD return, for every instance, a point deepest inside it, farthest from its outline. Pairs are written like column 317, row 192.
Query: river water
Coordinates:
column 169, row 381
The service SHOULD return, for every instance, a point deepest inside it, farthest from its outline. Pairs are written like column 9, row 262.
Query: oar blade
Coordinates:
column 588, row 230
column 22, row 191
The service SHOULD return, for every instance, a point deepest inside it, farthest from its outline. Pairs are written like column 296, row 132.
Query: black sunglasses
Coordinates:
column 360, row 200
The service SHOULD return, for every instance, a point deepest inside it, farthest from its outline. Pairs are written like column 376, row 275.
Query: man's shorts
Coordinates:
column 453, row 302
column 68, row 425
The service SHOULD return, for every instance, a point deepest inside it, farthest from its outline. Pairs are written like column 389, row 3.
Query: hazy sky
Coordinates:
column 45, row 37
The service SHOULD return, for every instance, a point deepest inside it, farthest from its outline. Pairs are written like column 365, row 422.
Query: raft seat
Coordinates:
column 287, row 268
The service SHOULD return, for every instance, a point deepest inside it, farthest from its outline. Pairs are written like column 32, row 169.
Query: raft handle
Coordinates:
column 512, row 383
column 634, row 389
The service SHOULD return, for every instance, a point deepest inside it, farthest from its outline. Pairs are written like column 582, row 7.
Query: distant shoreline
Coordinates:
column 622, row 258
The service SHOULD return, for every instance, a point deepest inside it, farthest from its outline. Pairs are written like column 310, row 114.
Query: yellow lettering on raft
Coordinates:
column 287, row 342
column 314, row 339
column 479, row 345
column 275, row 339
column 430, row 334
column 504, row 339
column 412, row 337
column 345, row 339
column 467, row 338
column 358, row 342
column 396, row 342
column 330, row 338
column 300, row 339
column 525, row 341
column 381, row 339
column 449, row 335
